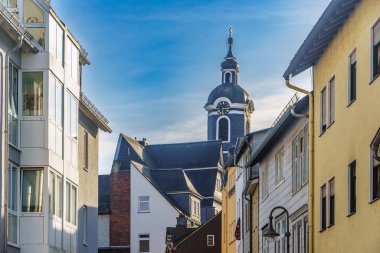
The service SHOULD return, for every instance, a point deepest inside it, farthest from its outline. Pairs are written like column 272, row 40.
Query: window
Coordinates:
column 223, row 129
column 71, row 203
column 375, row 167
column 352, row 78
column 300, row 149
column 32, row 187
column 279, row 169
column 85, row 150
column 332, row 101
column 352, row 187
column 247, row 219
column 264, row 183
column 12, row 4
column 376, row 50
column 32, row 93
column 280, row 228
column 265, row 246
column 143, row 204
column 85, row 224
column 56, row 115
column 228, row 77
column 210, row 240
column 13, row 183
column 56, row 40
column 144, row 243
column 323, row 108
column 331, row 206
column 72, row 59
column 323, row 208
column 13, row 105
column 71, row 126
column 300, row 236
column 55, row 194
column 32, row 12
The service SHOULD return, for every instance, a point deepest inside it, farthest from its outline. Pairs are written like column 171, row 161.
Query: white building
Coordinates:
column 283, row 165
column 44, row 90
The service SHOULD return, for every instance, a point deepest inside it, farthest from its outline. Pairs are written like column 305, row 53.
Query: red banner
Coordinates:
column 237, row 230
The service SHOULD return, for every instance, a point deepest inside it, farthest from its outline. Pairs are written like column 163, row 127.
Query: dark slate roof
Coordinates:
column 203, row 180
column 233, row 92
column 324, row 31
column 255, row 138
column 185, row 155
column 278, row 130
column 104, row 194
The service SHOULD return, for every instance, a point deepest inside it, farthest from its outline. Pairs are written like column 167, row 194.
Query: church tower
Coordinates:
column 228, row 106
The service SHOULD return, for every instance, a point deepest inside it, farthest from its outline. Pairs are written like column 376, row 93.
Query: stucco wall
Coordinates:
column 161, row 215
column 104, row 230
column 349, row 138
column 228, row 215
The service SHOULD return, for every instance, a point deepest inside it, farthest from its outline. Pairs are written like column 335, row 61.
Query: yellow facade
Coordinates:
column 255, row 220
column 349, row 137
column 229, row 213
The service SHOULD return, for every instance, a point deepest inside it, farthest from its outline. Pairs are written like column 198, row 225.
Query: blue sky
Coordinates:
column 155, row 62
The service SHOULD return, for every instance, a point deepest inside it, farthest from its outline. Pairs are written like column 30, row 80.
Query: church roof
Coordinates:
column 173, row 169
column 234, row 92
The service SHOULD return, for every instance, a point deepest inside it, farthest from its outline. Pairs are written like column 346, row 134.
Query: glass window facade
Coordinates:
column 32, row 93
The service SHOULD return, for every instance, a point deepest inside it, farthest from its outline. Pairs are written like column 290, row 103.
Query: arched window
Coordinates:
column 223, row 129
column 227, row 77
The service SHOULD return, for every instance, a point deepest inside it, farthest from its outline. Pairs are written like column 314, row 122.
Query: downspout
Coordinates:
column 311, row 161
column 4, row 133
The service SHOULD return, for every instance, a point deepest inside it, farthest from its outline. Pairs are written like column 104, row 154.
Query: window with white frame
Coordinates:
column 34, row 21
column 375, row 168
column 210, row 240
column 85, row 214
column 32, row 93
column 85, row 150
column 56, row 115
column 300, row 149
column 300, row 235
column 247, row 214
column 31, row 190
column 323, row 110
column 327, row 105
column 352, row 78
column 323, row 208
column 71, row 127
column 13, row 201
column 55, row 194
column 376, row 49
column 72, row 59
column 71, row 203
column 264, row 182
column 218, row 183
column 331, row 203
column 279, row 166
column 352, row 187
column 56, row 40
column 13, row 105
column 280, row 229
column 143, row 205
column 144, row 243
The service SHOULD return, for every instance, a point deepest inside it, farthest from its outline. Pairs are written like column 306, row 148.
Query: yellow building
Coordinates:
column 344, row 50
column 229, row 213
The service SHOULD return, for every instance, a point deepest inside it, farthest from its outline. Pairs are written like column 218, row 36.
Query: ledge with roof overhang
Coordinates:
column 90, row 110
column 324, row 31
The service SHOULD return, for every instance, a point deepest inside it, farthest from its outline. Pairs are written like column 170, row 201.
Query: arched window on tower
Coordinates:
column 227, row 77
column 223, row 129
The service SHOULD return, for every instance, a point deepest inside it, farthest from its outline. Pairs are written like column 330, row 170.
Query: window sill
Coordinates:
column 85, row 244
column 85, row 169
column 351, row 213
column 351, row 102
column 280, row 183
column 374, row 78
column 322, row 132
column 143, row 212
column 15, row 245
column 374, row 200
column 331, row 225
column 14, row 146
column 321, row 230
column 332, row 123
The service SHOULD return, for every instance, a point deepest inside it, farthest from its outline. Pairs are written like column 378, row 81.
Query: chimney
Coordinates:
column 181, row 221
column 144, row 142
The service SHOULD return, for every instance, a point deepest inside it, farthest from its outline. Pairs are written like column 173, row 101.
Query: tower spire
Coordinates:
column 230, row 42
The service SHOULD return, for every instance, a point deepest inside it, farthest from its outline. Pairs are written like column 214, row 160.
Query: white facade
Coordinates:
column 46, row 135
column 280, row 193
column 153, row 218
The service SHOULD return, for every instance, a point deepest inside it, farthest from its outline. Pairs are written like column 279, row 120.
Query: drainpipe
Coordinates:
column 311, row 158
column 4, row 141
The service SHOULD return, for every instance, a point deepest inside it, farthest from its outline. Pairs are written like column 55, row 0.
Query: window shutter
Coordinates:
column 376, row 33
column 332, row 101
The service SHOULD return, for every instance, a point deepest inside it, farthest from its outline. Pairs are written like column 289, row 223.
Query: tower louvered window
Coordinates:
column 223, row 129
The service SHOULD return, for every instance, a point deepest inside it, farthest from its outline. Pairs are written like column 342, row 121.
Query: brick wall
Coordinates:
column 120, row 195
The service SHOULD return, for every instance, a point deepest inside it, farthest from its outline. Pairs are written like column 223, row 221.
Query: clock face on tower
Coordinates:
column 223, row 108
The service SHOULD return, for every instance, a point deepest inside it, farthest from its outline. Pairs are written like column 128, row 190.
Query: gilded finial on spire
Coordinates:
column 230, row 31
column 230, row 40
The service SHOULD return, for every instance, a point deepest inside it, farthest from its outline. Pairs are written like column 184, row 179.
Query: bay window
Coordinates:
column 34, row 21
column 13, row 183
column 32, row 94
column 56, row 40
column 55, row 115
column 31, row 190
column 13, row 105
column 71, row 203
column 55, row 194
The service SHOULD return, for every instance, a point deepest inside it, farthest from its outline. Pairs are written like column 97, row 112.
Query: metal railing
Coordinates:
column 292, row 101
column 87, row 102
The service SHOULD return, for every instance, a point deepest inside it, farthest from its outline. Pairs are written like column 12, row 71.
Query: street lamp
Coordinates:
column 271, row 234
